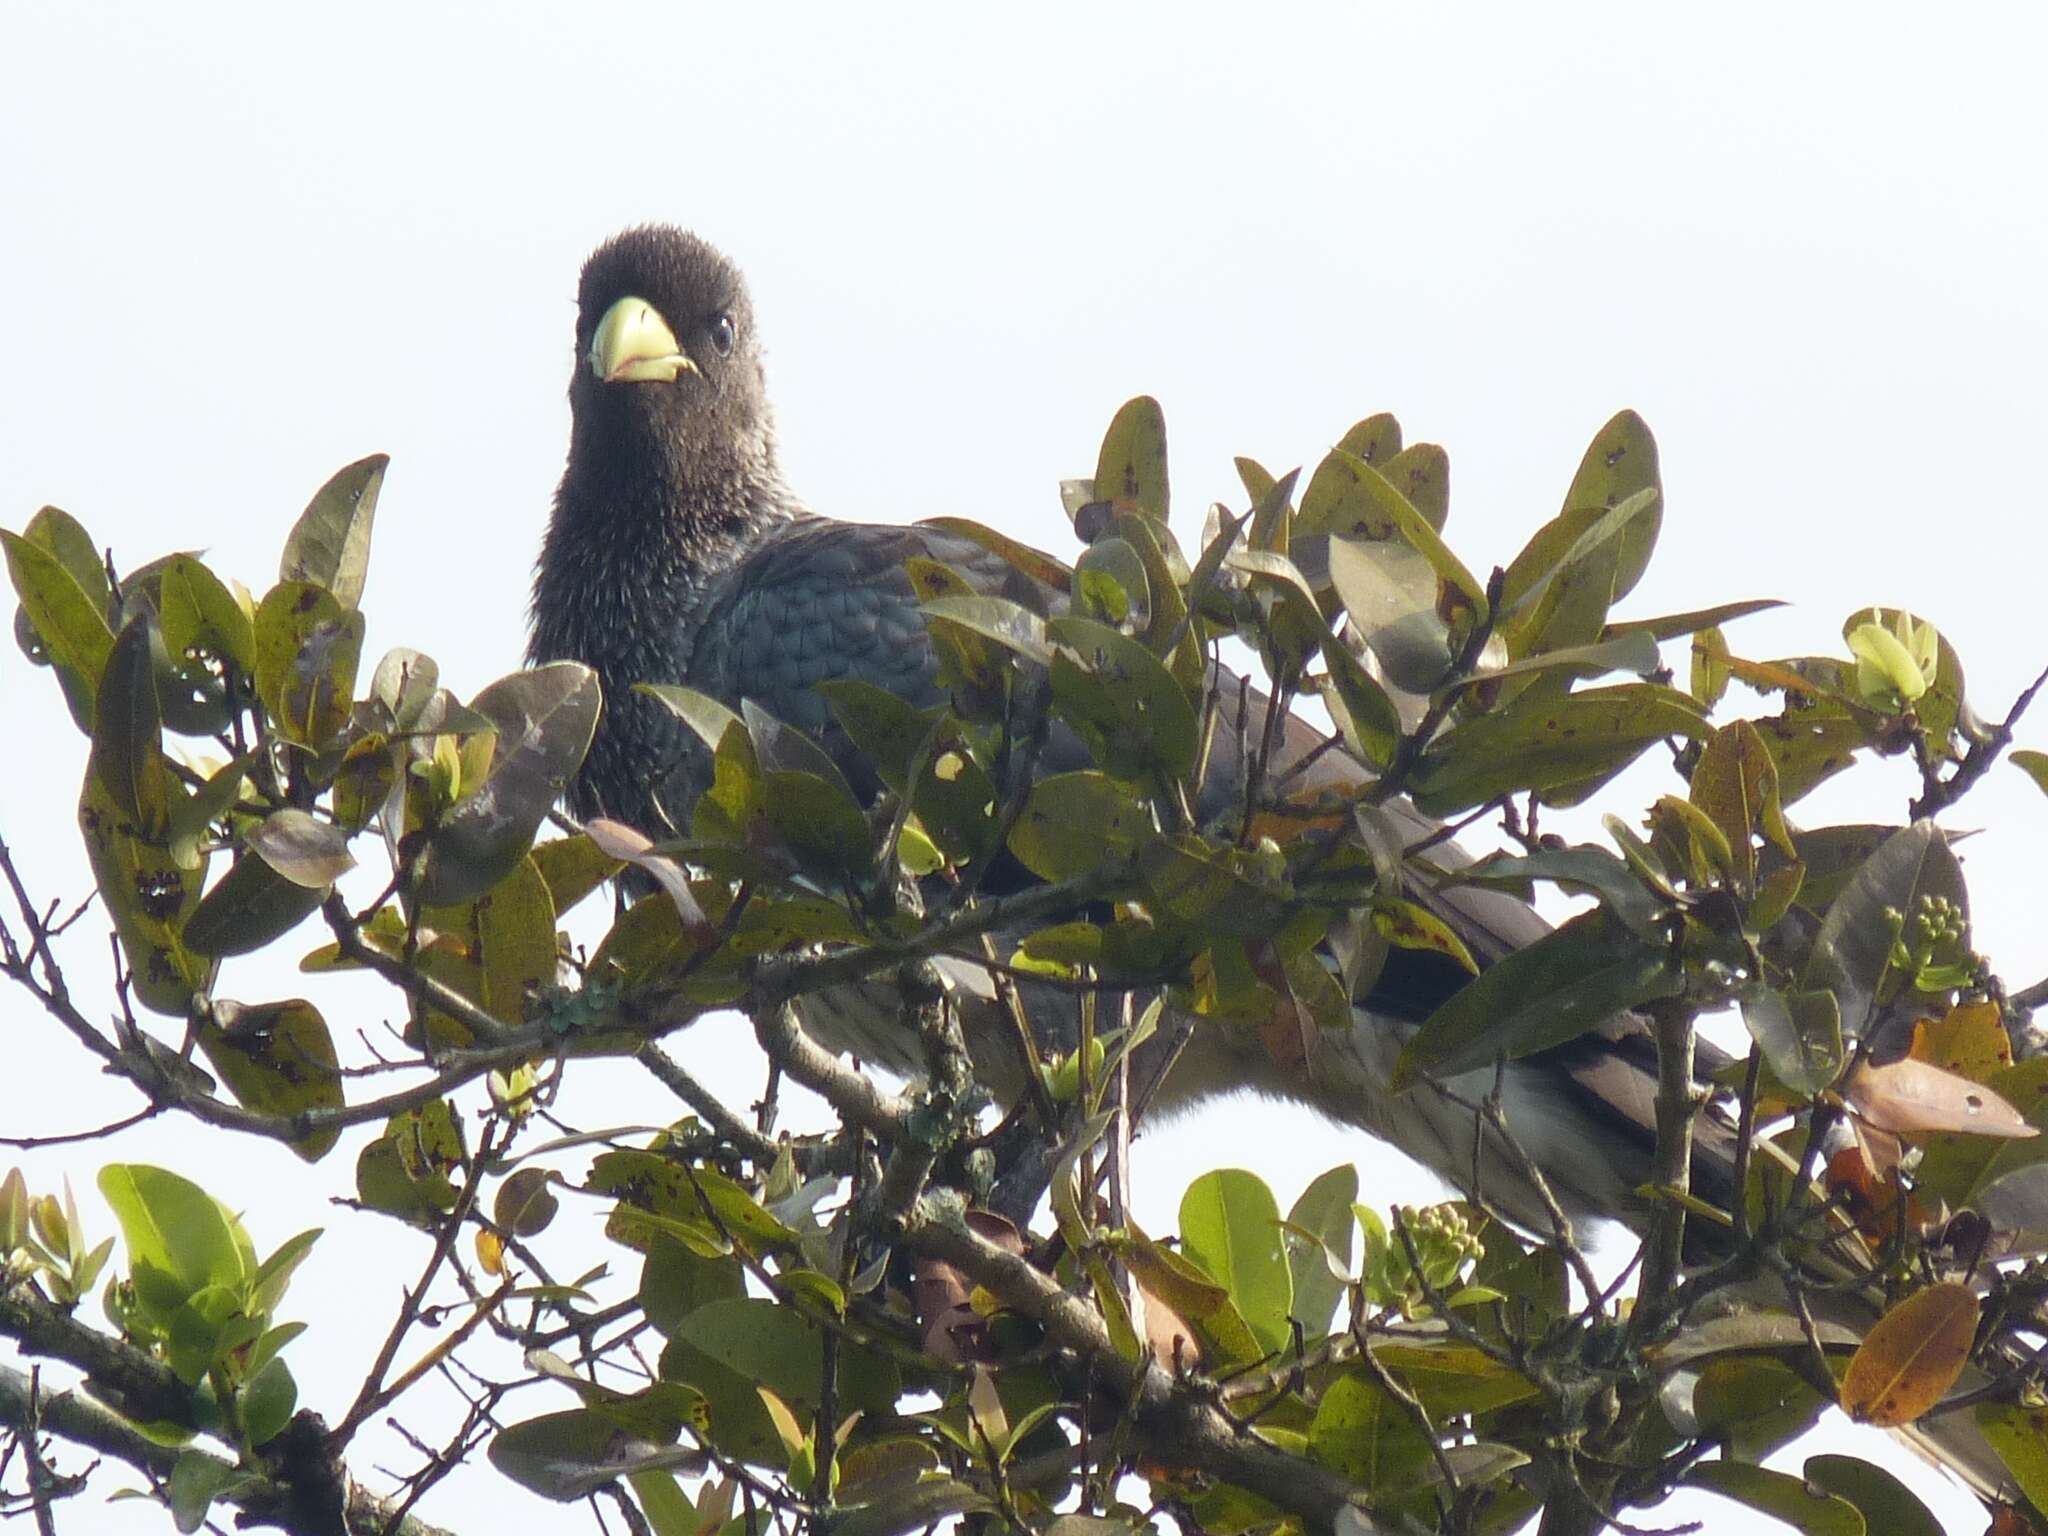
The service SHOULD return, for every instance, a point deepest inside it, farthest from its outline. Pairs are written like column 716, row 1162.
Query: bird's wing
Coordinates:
column 818, row 600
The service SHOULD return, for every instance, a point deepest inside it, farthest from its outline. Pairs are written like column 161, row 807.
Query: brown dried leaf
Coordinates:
column 1912, row 1097
column 616, row 840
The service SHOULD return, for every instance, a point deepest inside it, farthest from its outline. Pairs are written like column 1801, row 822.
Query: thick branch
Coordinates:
column 264, row 1501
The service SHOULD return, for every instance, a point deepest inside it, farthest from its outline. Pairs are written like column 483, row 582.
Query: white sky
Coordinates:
column 240, row 249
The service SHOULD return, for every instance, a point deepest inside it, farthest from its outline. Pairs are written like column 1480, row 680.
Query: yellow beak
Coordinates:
column 633, row 345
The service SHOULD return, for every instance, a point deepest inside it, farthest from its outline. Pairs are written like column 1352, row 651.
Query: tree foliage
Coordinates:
column 868, row 1330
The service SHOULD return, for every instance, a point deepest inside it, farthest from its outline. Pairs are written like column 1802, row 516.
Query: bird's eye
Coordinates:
column 723, row 332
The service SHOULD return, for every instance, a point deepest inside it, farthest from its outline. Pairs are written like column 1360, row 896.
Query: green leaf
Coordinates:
column 1421, row 472
column 1411, row 926
column 127, row 733
column 1009, row 624
column 1800, row 1034
column 177, row 1228
column 69, row 622
column 1390, row 592
column 1560, row 747
column 249, row 907
column 268, row 1284
column 1365, row 717
column 570, row 1455
column 1319, row 1246
column 929, row 1502
column 2019, row 1434
column 277, row 1059
column 1363, row 1434
column 573, row 867
column 330, row 543
column 545, row 719
column 776, row 1347
column 1130, row 710
column 1621, row 462
column 1230, row 1225
column 1674, row 625
column 1753, row 1404
column 196, row 1480
column 1365, row 506
column 1779, row 1495
column 1198, row 883
column 1074, row 822
column 1584, row 869
column 1886, row 1504
column 305, row 850
column 953, row 796
column 266, row 1403
column 1735, row 782
column 405, row 1172
column 1131, row 468
column 58, row 532
column 1376, row 439
column 199, row 613
column 1541, row 995
column 1852, row 952
column 1960, row 1168
column 149, row 896
column 2033, row 764
column 307, row 648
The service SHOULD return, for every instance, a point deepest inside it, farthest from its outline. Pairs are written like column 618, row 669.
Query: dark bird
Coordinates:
column 677, row 554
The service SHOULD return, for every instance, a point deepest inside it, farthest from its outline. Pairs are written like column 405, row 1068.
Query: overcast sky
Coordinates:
column 239, row 250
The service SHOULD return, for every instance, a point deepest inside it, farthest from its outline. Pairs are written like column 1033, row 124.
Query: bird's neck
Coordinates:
column 639, row 530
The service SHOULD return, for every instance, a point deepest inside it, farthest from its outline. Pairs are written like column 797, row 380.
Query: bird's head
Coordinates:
column 665, row 351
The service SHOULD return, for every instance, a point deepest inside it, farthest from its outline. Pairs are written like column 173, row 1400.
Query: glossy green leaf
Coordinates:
column 2018, row 1432
column 249, row 907
column 1550, row 745
column 1852, row 952
column 1800, row 1034
column 277, row 1059
column 305, row 850
column 307, row 647
column 1362, row 1433
column 1544, row 994
column 1074, row 822
column 1621, row 462
column 330, row 543
column 1583, row 869
column 127, row 733
column 1132, row 712
column 1887, row 1505
column 266, row 1403
column 150, row 898
column 1230, row 1225
column 1131, row 468
column 406, row 1171
column 1319, row 1246
column 70, row 622
column 1780, row 1496
column 175, row 1227
column 571, row 1454
column 545, row 719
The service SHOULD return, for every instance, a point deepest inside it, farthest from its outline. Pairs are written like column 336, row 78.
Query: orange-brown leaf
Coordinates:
column 1913, row 1098
column 1912, row 1356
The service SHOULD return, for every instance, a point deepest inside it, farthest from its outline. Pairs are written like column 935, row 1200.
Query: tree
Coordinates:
column 866, row 1330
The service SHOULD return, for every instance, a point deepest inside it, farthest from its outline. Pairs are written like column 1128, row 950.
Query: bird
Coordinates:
column 676, row 552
